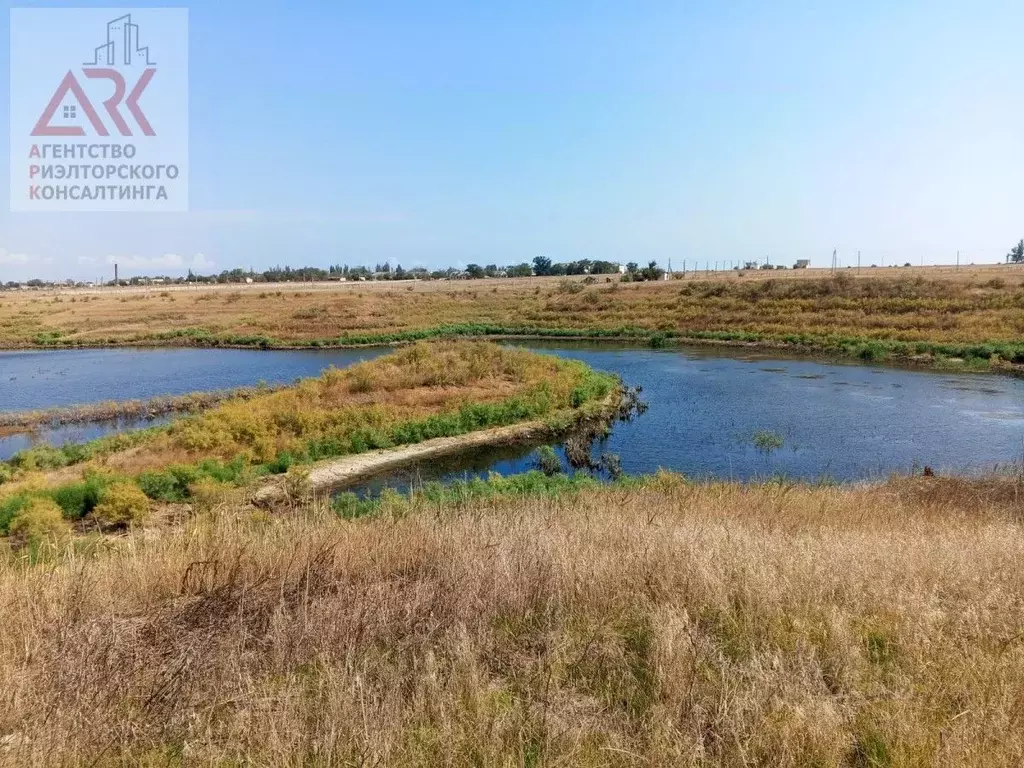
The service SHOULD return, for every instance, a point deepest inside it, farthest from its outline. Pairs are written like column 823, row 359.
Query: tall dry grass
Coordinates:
column 670, row 624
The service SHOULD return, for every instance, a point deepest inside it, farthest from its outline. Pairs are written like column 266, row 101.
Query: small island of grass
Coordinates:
column 418, row 393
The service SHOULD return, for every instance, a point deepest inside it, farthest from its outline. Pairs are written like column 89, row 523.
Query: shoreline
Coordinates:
column 114, row 411
column 867, row 349
column 641, row 340
column 346, row 470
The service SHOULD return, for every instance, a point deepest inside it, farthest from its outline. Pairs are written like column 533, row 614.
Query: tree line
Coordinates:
column 541, row 266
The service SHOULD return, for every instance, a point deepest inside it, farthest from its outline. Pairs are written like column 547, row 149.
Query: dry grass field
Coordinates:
column 656, row 624
column 939, row 305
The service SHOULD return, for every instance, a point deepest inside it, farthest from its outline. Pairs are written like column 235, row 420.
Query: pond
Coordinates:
column 37, row 380
column 835, row 420
column 839, row 421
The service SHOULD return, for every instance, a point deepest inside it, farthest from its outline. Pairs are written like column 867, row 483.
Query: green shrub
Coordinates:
column 170, row 485
column 872, row 351
column 548, row 461
column 9, row 509
column 281, row 464
column 40, row 457
column 122, row 505
column 349, row 506
column 39, row 523
column 79, row 499
column 230, row 472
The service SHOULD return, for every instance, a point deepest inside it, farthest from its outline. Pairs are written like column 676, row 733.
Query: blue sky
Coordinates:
column 454, row 131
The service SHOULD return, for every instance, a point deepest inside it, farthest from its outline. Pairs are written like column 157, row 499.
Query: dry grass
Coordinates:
column 665, row 625
column 412, row 383
column 935, row 305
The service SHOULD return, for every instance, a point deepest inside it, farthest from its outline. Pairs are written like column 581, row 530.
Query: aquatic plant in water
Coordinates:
column 767, row 441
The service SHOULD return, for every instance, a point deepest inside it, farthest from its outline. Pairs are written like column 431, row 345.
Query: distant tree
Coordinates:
column 652, row 272
column 604, row 268
column 632, row 268
column 542, row 265
column 475, row 271
column 1016, row 254
column 519, row 270
column 400, row 274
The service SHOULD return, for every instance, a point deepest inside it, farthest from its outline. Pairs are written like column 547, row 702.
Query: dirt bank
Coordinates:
column 337, row 473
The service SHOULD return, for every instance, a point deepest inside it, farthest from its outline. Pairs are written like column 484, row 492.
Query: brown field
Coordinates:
column 664, row 625
column 938, row 304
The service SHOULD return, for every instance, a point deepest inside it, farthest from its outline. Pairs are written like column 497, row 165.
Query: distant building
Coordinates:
column 622, row 269
column 802, row 264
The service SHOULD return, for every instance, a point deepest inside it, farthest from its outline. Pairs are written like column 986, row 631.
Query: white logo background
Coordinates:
column 47, row 44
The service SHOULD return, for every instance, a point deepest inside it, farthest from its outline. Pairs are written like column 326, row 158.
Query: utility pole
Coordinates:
column 858, row 262
column 958, row 261
column 835, row 252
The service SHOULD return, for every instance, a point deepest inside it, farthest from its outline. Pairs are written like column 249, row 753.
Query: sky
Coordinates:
column 453, row 132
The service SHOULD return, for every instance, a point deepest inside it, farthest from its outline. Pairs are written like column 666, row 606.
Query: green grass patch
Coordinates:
column 462, row 492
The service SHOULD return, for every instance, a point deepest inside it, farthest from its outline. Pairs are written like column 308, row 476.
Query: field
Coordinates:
column 650, row 623
column 974, row 312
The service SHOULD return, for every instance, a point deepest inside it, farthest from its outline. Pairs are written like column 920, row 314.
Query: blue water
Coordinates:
column 35, row 380
column 837, row 420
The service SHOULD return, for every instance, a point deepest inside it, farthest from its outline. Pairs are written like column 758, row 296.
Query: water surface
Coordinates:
column 36, row 380
column 43, row 379
column 837, row 420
